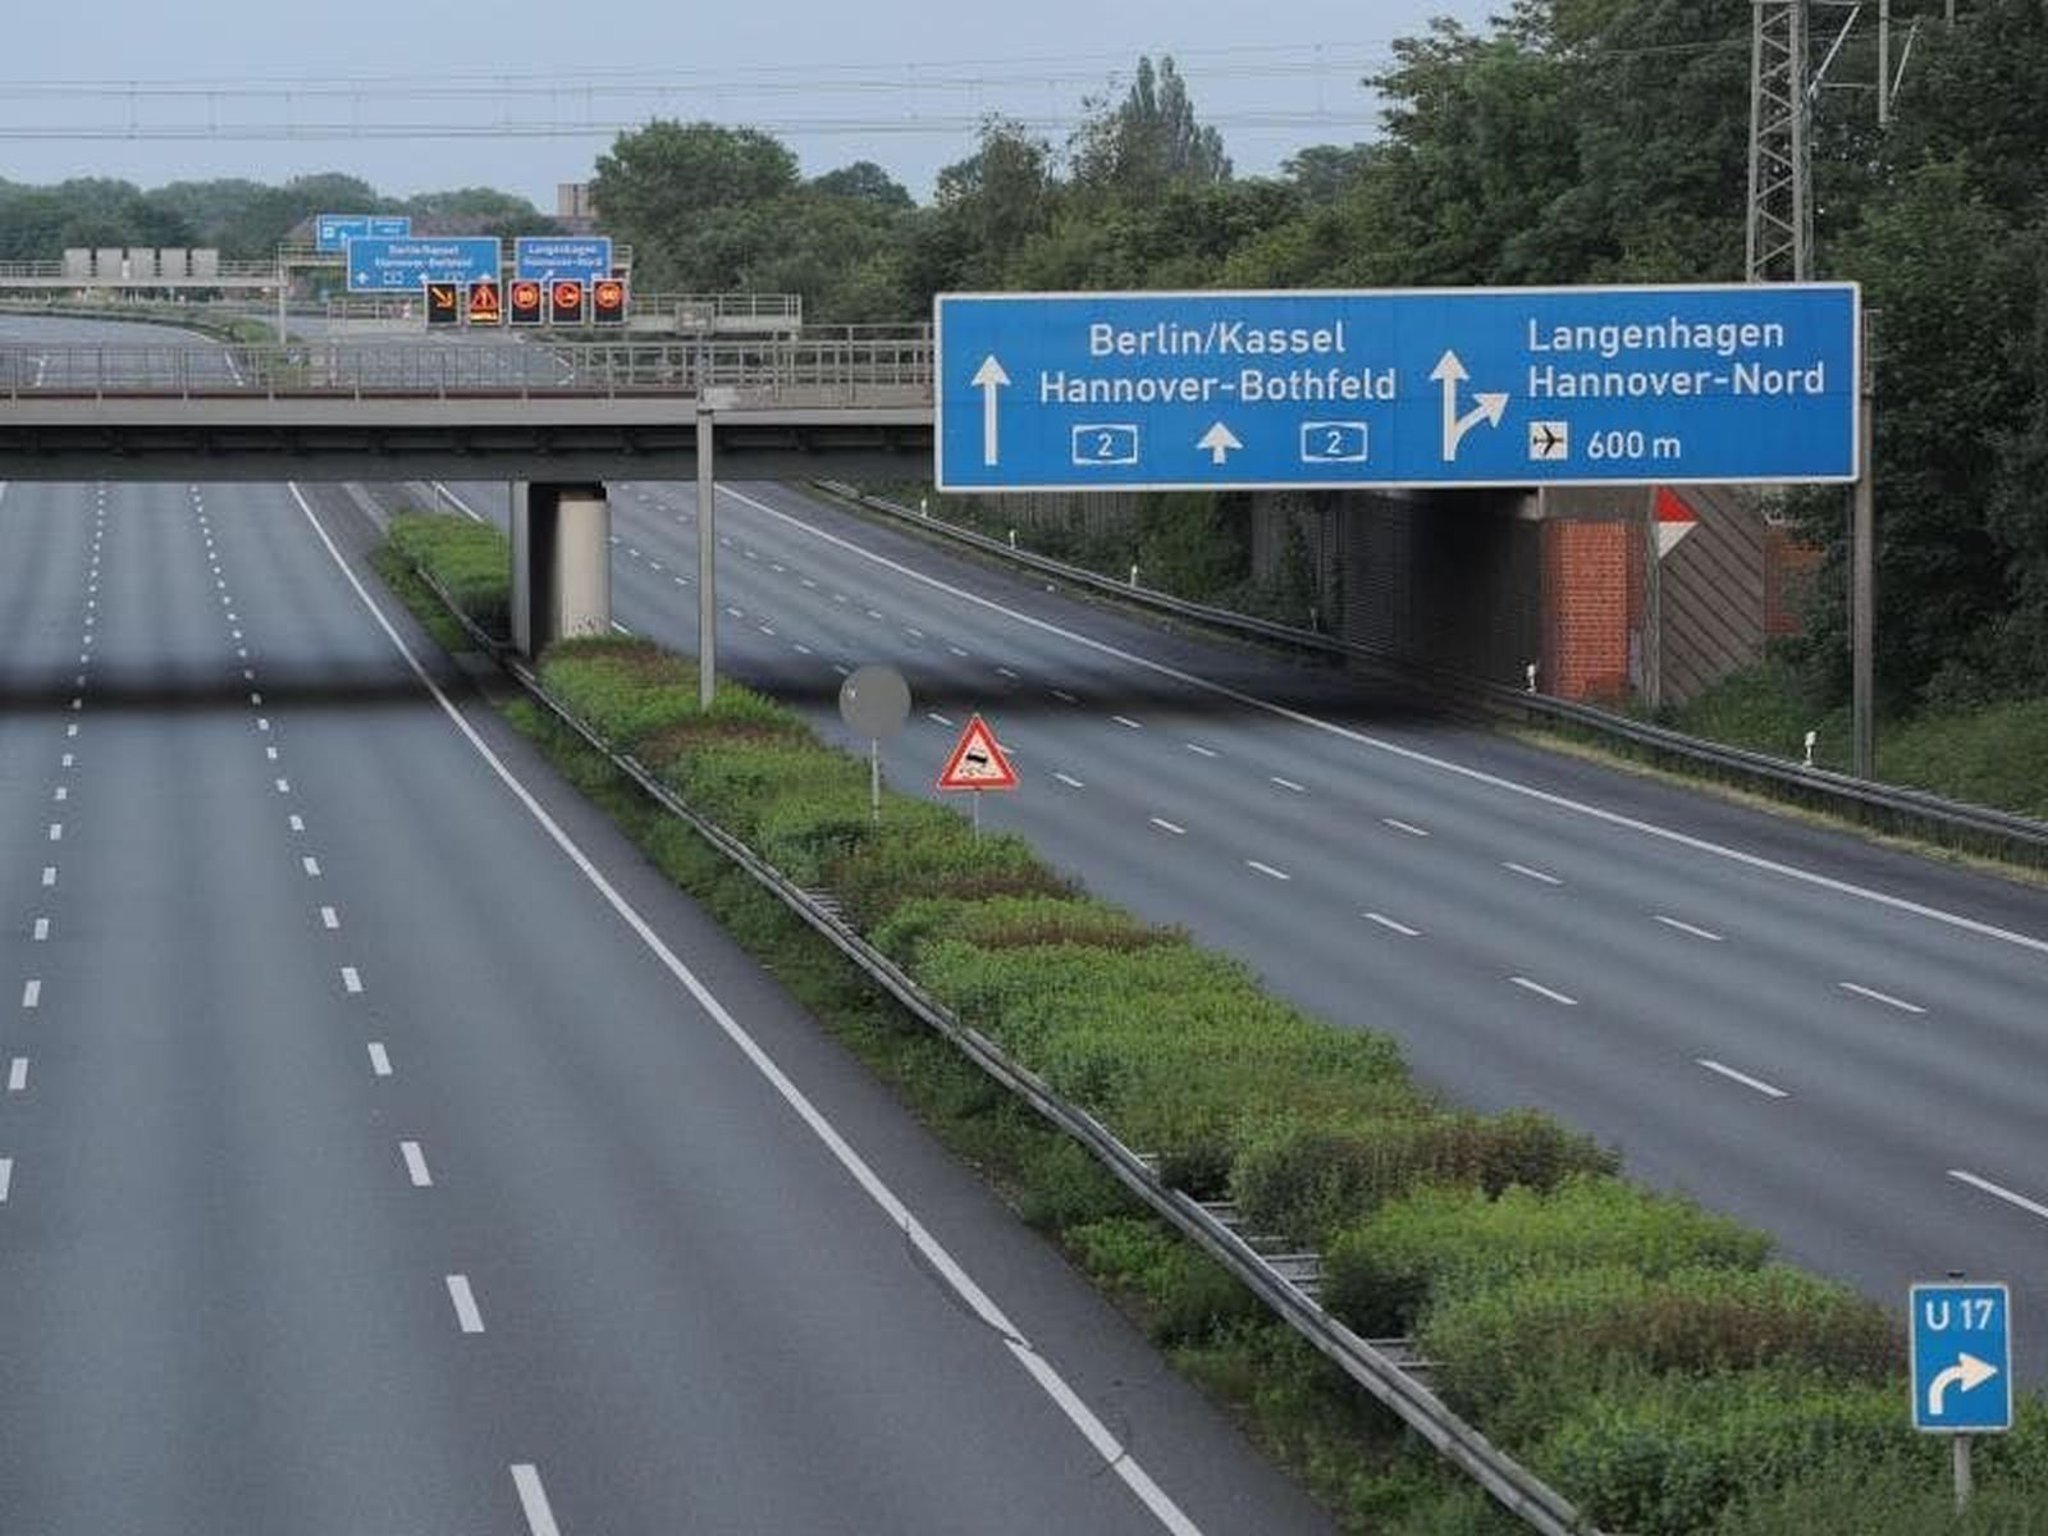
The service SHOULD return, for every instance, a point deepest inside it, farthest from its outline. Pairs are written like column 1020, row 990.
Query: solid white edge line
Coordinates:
column 415, row 1165
column 1733, row 1076
column 533, row 1500
column 1881, row 997
column 1424, row 759
column 1999, row 1192
column 1542, row 991
column 1387, row 922
column 1078, row 1413
column 467, row 1317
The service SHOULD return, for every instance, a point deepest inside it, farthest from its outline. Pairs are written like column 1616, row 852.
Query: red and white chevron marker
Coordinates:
column 1674, row 520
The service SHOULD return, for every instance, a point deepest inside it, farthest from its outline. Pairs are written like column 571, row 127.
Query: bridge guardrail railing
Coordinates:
column 1541, row 1507
column 761, row 369
column 2005, row 834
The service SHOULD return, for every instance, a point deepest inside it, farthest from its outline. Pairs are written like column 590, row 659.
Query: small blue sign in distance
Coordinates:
column 1414, row 387
column 541, row 257
column 380, row 265
column 1962, row 1358
column 333, row 231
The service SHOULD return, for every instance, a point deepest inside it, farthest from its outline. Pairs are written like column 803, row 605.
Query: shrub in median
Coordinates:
column 1439, row 1242
column 1024, row 922
column 1305, row 1179
column 471, row 561
column 1549, row 1338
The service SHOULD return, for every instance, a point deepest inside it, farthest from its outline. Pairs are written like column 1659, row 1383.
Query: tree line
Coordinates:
column 1569, row 141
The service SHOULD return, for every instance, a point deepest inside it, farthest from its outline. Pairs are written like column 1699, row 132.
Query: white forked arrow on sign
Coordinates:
column 1221, row 443
column 1450, row 373
column 989, row 378
column 1968, row 1373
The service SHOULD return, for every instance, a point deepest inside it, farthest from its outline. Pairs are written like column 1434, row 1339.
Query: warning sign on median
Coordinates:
column 977, row 762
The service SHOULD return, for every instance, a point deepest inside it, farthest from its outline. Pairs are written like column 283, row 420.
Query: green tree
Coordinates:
column 677, row 191
column 1149, row 141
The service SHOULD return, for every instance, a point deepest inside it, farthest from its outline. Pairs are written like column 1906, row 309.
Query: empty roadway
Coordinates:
column 1842, row 1043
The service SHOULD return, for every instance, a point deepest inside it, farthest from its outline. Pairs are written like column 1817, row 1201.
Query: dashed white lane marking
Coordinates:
column 1289, row 785
column 1527, row 873
column 296, row 823
column 1692, row 928
column 311, row 866
column 31, row 993
column 263, row 722
column 1166, row 826
column 1070, row 781
column 1388, row 923
column 68, row 759
column 71, row 730
column 1064, row 697
column 329, row 918
column 620, row 629
column 351, row 979
column 270, row 754
column 803, row 650
column 42, row 929
column 466, row 1314
column 737, row 613
column 937, row 719
column 1115, row 1456
column 680, row 581
column 1403, row 826
column 6, row 1178
column 61, row 794
column 957, row 652
column 1199, row 750
column 808, row 583
column 380, row 1059
column 415, row 1164
column 915, row 634
column 1881, row 997
column 256, row 699
column 1542, row 991
column 874, row 613
column 1127, row 723
column 49, row 874
column 2000, row 1192
column 284, row 786
column 1755, row 1084
column 1268, row 870
column 17, row 1074
column 533, row 1500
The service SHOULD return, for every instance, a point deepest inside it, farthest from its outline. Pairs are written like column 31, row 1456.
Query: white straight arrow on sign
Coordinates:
column 989, row 378
column 1221, row 442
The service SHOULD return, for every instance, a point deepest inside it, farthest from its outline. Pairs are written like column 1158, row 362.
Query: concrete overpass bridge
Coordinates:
column 558, row 419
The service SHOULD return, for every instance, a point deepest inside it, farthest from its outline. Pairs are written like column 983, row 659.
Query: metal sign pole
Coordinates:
column 1960, row 1446
column 1863, row 577
column 707, row 550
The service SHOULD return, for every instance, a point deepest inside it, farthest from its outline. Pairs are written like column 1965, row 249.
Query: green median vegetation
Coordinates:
column 1642, row 1354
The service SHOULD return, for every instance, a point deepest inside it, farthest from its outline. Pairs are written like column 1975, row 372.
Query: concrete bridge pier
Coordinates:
column 561, row 563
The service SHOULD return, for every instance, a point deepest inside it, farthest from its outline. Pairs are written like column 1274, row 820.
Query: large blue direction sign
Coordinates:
column 1419, row 387
column 1962, row 1358
column 541, row 257
column 384, row 266
column 333, row 231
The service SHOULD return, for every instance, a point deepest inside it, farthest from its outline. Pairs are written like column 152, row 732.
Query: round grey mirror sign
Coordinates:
column 875, row 701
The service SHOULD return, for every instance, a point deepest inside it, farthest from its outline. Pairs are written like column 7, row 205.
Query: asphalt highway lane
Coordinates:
column 385, row 1149
column 1843, row 1043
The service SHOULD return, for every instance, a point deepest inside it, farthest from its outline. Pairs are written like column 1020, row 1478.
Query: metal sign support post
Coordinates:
column 1653, row 609
column 707, row 552
column 1863, row 576
column 1959, row 1447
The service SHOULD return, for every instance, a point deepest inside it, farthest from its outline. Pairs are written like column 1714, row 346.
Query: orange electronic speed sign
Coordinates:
column 444, row 303
column 608, row 301
column 525, row 302
column 486, row 304
column 565, row 301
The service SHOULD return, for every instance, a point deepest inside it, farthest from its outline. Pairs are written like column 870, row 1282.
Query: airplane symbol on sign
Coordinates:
column 1549, row 440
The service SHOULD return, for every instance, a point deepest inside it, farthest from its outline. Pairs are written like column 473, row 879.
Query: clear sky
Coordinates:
column 527, row 93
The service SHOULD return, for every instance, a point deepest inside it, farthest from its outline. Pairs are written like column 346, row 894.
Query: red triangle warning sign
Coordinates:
column 977, row 762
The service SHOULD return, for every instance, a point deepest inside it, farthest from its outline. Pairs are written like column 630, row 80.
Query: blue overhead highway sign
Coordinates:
column 1962, row 1358
column 333, row 231
column 1417, row 387
column 377, row 265
column 541, row 257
